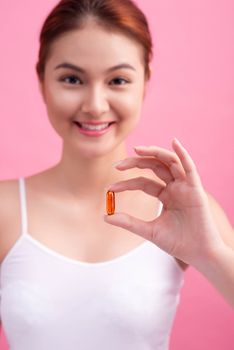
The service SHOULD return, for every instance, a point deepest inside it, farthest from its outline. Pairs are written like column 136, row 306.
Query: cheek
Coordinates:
column 61, row 106
column 130, row 105
column 61, row 102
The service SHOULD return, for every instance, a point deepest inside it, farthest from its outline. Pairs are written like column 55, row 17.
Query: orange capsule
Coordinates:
column 110, row 202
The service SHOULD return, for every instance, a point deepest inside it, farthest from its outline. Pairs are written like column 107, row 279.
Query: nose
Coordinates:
column 95, row 102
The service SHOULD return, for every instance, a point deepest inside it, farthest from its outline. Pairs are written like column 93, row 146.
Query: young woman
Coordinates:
column 73, row 278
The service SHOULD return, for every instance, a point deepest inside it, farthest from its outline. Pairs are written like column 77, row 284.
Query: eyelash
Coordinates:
column 73, row 76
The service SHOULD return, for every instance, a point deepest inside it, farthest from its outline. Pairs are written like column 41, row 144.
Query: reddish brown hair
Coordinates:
column 118, row 15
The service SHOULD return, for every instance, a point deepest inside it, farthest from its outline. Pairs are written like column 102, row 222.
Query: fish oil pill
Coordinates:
column 110, row 202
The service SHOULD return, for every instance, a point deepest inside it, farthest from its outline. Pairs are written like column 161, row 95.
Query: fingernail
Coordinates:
column 176, row 140
column 107, row 188
column 117, row 163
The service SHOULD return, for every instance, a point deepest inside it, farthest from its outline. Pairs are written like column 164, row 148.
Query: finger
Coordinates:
column 131, row 223
column 170, row 159
column 160, row 169
column 187, row 162
column 148, row 186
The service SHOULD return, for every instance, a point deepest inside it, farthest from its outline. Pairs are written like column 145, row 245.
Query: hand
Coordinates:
column 185, row 229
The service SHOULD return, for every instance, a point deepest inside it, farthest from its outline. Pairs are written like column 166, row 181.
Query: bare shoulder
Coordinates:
column 8, row 193
column 224, row 226
column 9, row 214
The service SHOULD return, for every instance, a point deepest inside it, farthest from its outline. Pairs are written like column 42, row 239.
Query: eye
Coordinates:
column 121, row 79
column 71, row 79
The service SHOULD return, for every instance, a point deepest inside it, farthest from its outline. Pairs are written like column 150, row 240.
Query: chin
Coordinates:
column 94, row 151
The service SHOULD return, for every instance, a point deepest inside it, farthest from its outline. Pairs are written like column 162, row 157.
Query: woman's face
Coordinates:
column 99, row 93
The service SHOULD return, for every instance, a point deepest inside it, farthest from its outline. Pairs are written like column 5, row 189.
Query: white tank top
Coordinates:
column 49, row 301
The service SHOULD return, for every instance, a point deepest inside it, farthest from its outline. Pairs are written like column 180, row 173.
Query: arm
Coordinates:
column 220, row 218
column 218, row 266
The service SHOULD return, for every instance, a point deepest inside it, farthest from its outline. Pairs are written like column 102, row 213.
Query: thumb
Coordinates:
column 131, row 223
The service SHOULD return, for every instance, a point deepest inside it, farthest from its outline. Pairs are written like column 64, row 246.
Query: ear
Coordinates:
column 145, row 88
column 144, row 92
column 41, row 88
column 147, row 81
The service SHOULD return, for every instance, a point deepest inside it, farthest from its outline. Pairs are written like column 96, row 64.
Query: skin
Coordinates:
column 202, row 235
column 186, row 229
column 95, row 96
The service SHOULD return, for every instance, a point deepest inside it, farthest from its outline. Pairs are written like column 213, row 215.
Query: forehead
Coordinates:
column 95, row 45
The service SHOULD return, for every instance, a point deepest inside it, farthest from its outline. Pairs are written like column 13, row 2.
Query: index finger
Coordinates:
column 169, row 158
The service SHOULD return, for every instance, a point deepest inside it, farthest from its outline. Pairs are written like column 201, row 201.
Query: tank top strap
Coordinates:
column 23, row 206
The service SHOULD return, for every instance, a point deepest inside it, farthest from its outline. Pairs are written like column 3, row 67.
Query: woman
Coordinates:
column 76, row 280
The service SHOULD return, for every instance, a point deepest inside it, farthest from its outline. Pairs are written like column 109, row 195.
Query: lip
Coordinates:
column 94, row 123
column 94, row 133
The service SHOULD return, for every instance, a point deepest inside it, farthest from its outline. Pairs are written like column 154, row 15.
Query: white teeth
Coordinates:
column 94, row 127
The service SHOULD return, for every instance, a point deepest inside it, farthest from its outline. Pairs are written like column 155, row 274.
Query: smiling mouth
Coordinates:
column 93, row 127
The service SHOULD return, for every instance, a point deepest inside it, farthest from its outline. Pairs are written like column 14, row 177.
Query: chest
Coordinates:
column 78, row 231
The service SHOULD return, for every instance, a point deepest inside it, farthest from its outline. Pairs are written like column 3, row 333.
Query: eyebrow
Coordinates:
column 81, row 70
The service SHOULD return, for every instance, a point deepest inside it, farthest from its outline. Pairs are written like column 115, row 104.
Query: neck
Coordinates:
column 87, row 174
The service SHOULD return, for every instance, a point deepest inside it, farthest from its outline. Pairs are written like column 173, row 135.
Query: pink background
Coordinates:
column 191, row 96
